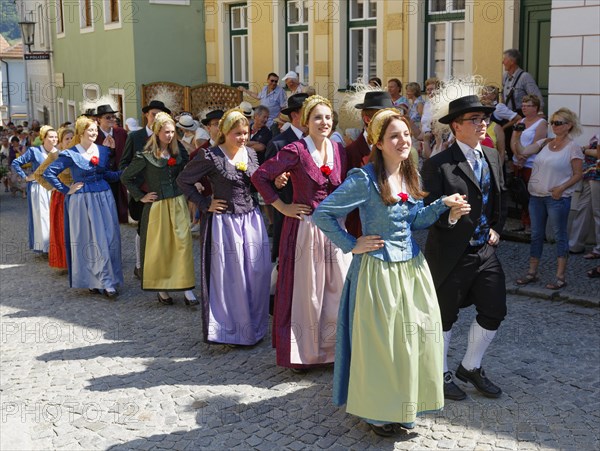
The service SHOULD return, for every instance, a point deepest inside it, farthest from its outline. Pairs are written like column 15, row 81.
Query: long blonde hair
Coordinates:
column 81, row 125
column 375, row 132
column 153, row 146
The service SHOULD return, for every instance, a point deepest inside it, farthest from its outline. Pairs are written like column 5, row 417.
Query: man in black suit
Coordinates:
column 293, row 133
column 462, row 255
column 134, row 144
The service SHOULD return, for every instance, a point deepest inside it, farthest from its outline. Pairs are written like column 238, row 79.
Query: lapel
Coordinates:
column 489, row 155
column 463, row 165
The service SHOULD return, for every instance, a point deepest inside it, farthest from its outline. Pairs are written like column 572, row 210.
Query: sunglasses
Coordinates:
column 109, row 117
column 273, row 81
column 558, row 123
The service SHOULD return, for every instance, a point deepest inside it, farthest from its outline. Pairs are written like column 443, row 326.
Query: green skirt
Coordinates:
column 396, row 369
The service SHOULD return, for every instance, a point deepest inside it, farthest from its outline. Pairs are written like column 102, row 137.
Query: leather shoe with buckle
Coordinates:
column 478, row 378
column 451, row 390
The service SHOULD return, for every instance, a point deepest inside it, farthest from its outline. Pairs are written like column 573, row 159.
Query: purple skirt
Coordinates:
column 236, row 308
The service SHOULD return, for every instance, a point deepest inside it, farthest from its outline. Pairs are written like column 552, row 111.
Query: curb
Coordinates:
column 543, row 293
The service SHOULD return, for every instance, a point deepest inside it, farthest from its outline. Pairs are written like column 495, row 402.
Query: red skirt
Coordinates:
column 57, row 253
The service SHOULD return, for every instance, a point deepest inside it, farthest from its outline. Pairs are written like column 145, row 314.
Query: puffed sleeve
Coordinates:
column 283, row 161
column 347, row 197
column 51, row 173
column 130, row 177
column 23, row 159
column 199, row 167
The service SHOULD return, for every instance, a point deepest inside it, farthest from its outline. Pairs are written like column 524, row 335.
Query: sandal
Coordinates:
column 560, row 283
column 594, row 273
column 528, row 278
column 591, row 256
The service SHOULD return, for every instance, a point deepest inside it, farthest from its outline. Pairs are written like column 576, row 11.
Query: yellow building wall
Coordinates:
column 395, row 40
column 488, row 38
column 211, row 25
column 260, row 43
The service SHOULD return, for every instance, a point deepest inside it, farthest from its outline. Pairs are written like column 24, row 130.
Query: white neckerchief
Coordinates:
column 240, row 157
column 149, row 131
column 88, row 154
column 315, row 154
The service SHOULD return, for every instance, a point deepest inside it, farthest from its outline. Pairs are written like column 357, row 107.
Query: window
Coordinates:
column 362, row 40
column 118, row 95
column 60, row 22
column 297, row 38
column 91, row 92
column 171, row 2
column 61, row 111
column 71, row 112
column 85, row 7
column 112, row 14
column 445, row 38
column 238, row 30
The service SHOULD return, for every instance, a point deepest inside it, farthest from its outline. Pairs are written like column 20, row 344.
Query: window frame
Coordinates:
column 83, row 26
column 450, row 17
column 300, row 29
column 60, row 19
column 242, row 33
column 71, row 103
column 365, row 24
column 60, row 104
column 108, row 23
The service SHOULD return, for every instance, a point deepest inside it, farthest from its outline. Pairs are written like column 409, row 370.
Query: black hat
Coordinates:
column 464, row 105
column 376, row 100
column 215, row 114
column 104, row 109
column 89, row 112
column 156, row 105
column 294, row 103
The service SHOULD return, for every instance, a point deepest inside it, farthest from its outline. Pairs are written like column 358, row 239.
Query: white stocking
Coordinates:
column 479, row 340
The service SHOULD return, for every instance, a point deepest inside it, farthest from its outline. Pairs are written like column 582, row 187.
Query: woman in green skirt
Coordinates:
column 388, row 363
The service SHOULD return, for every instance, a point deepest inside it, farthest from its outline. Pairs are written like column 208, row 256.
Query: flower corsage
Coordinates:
column 171, row 162
column 403, row 197
column 94, row 160
column 241, row 166
column 325, row 170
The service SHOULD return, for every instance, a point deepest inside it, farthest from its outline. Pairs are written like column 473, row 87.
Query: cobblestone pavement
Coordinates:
column 82, row 372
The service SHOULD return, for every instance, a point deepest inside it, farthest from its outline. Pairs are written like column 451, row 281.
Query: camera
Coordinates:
column 519, row 127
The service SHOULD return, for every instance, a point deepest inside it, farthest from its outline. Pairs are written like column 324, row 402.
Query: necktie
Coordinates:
column 477, row 165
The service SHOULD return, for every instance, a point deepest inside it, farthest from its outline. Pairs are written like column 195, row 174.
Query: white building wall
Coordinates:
column 574, row 77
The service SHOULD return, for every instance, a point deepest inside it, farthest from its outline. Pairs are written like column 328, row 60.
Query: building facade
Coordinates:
column 13, row 103
column 331, row 44
column 112, row 47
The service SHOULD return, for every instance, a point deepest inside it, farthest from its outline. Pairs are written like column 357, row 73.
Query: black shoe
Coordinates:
column 387, row 430
column 112, row 294
column 95, row 291
column 165, row 301
column 451, row 390
column 478, row 378
column 137, row 273
column 191, row 302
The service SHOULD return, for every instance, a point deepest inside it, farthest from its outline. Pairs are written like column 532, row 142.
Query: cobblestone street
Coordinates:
column 79, row 371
